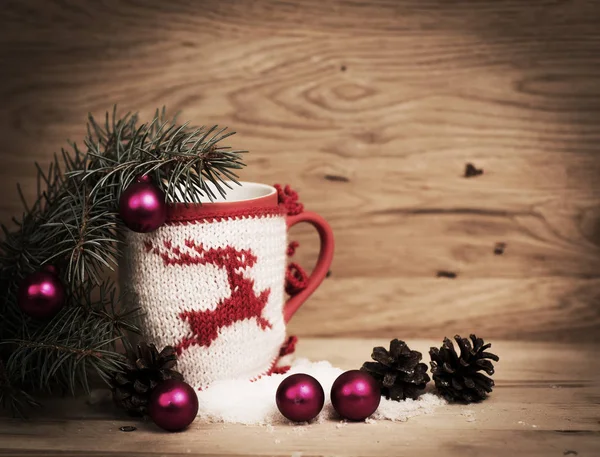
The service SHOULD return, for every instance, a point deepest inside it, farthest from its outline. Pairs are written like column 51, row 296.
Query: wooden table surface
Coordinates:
column 545, row 404
column 370, row 110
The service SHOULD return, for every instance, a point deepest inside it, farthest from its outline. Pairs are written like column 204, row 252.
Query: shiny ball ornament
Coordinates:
column 173, row 405
column 300, row 397
column 41, row 295
column 355, row 395
column 142, row 206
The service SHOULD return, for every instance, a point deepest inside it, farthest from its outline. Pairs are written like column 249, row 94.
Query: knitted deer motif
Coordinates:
column 242, row 304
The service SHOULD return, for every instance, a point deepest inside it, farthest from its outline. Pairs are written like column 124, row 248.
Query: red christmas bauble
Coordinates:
column 173, row 405
column 300, row 397
column 355, row 395
column 142, row 206
column 41, row 295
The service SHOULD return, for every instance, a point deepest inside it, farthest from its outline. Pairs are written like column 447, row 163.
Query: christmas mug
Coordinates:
column 210, row 282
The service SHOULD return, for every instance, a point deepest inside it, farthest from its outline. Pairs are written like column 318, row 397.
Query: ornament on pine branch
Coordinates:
column 142, row 206
column 74, row 221
column 41, row 294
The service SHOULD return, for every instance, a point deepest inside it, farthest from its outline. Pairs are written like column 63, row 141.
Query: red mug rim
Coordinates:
column 245, row 207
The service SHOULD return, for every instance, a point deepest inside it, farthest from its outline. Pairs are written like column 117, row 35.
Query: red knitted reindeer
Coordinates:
column 242, row 304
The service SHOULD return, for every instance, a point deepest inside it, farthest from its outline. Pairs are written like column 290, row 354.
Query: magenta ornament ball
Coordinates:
column 300, row 397
column 142, row 207
column 355, row 395
column 41, row 295
column 173, row 405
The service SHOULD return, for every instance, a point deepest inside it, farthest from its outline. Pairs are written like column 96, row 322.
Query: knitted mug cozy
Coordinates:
column 210, row 282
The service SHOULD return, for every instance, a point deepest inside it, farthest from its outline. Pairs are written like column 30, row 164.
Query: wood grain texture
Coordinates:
column 545, row 404
column 529, row 308
column 371, row 110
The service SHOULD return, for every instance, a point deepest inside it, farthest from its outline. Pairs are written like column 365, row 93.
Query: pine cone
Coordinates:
column 145, row 369
column 456, row 377
column 398, row 371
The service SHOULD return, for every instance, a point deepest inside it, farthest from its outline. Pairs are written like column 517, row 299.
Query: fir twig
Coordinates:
column 73, row 224
column 14, row 399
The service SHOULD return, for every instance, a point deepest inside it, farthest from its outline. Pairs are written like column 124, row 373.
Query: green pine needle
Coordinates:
column 73, row 224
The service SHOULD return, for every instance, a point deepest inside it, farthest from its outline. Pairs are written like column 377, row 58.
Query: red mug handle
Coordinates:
column 323, row 264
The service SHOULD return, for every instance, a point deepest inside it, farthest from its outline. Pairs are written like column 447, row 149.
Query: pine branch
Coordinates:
column 75, row 343
column 14, row 399
column 180, row 159
column 73, row 224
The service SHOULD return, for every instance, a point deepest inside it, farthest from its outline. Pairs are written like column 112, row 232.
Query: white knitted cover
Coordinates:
column 213, row 289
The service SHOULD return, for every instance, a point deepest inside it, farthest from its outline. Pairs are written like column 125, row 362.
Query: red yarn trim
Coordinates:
column 289, row 347
column 291, row 250
column 193, row 214
column 289, row 199
column 286, row 349
column 281, row 370
column 296, row 279
column 286, row 203
column 269, row 372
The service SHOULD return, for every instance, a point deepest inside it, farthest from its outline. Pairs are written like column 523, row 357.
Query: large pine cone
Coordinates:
column 456, row 377
column 398, row 371
column 145, row 369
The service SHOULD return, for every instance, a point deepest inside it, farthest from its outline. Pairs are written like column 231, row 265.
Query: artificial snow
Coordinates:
column 250, row 403
column 401, row 411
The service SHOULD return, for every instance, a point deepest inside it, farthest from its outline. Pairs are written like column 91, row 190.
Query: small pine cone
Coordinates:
column 398, row 371
column 456, row 377
column 145, row 369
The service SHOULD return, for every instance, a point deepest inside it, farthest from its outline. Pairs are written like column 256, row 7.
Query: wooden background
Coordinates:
column 371, row 111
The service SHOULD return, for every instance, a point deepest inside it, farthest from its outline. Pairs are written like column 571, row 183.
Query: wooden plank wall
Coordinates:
column 371, row 110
